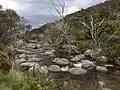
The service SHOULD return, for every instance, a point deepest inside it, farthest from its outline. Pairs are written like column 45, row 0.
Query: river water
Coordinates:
column 93, row 80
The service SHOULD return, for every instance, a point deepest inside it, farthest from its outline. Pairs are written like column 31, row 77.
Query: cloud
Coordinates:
column 38, row 11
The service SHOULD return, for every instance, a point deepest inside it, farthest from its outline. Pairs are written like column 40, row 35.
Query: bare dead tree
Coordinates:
column 61, row 25
column 94, row 30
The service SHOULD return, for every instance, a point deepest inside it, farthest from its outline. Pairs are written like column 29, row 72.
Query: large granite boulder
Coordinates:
column 77, row 71
column 54, row 68
column 78, row 58
column 102, row 59
column 88, row 64
column 92, row 53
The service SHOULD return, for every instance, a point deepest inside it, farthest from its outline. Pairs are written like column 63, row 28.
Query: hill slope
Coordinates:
column 110, row 11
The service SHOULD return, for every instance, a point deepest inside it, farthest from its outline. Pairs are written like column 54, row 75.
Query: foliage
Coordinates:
column 110, row 35
column 20, row 81
column 12, row 26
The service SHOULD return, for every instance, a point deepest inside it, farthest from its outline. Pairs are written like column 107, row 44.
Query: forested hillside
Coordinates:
column 109, row 33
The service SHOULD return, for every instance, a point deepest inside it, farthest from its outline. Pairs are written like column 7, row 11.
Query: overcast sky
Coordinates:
column 38, row 11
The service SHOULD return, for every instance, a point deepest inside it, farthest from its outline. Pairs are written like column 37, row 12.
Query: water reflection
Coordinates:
column 89, row 81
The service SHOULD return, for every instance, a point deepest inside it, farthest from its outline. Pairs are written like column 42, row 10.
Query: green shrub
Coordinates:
column 20, row 81
column 82, row 45
column 111, row 50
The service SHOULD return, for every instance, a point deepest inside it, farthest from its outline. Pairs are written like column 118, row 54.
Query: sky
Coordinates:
column 39, row 12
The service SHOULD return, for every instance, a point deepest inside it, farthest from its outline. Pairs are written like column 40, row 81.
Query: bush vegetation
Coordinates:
column 109, row 33
column 20, row 81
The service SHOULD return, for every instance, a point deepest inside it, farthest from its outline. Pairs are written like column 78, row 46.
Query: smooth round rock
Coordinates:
column 61, row 62
column 44, row 69
column 78, row 58
column 54, row 68
column 102, row 59
column 100, row 68
column 77, row 71
column 88, row 64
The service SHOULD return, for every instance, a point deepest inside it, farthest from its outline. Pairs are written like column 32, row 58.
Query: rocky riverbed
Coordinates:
column 81, row 70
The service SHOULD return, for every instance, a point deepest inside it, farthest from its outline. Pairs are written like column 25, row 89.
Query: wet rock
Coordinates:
column 100, row 68
column 31, row 56
column 61, row 61
column 78, row 58
column 21, row 51
column 39, row 45
column 54, row 68
column 117, row 60
column 102, row 59
column 18, row 61
column 32, row 41
column 50, row 52
column 29, row 64
column 34, row 59
column 32, row 45
column 109, row 65
column 92, row 53
column 46, row 44
column 106, row 89
column 35, row 68
column 88, row 64
column 77, row 65
column 64, row 69
column 77, row 71
column 44, row 69
column 23, row 56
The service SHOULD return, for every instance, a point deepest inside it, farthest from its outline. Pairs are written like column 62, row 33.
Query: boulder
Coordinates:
column 46, row 44
column 24, row 56
column 28, row 64
column 32, row 45
column 78, row 58
column 77, row 65
column 64, row 69
column 117, row 60
column 39, row 45
column 18, row 61
column 32, row 41
column 35, row 68
column 34, row 59
column 88, row 64
column 92, row 53
column 100, row 68
column 49, row 52
column 21, row 51
column 77, row 71
column 31, row 56
column 109, row 65
column 54, row 68
column 106, row 89
column 61, row 61
column 102, row 59
column 44, row 69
